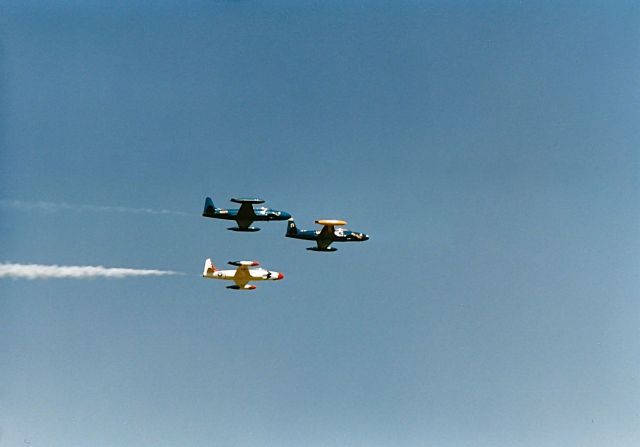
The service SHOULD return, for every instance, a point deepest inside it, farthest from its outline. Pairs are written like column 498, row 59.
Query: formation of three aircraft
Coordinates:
column 246, row 215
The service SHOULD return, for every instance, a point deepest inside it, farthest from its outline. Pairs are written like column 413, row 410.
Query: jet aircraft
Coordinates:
column 240, row 276
column 325, row 237
column 245, row 215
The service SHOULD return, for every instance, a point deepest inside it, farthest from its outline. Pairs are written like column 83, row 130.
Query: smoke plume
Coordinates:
column 38, row 271
column 63, row 206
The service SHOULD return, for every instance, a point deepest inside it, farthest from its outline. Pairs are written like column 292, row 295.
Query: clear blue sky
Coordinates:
column 490, row 149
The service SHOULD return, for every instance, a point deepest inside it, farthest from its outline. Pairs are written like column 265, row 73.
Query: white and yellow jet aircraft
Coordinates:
column 240, row 276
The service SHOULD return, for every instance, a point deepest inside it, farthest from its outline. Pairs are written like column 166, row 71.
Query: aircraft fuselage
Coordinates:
column 339, row 235
column 260, row 214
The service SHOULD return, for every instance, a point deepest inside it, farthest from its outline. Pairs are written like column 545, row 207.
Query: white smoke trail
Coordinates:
column 38, row 271
column 61, row 206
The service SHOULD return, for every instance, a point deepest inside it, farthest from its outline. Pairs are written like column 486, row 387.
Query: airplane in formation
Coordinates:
column 245, row 215
column 325, row 237
column 242, row 275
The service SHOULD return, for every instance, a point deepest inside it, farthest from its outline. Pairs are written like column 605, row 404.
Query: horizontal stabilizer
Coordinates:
column 247, row 263
column 253, row 201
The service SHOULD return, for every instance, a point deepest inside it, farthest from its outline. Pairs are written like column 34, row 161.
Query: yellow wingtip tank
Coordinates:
column 330, row 222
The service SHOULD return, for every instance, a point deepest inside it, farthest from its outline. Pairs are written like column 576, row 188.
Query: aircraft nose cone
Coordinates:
column 280, row 276
column 365, row 237
column 285, row 215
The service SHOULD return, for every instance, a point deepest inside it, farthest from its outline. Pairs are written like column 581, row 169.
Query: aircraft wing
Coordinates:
column 323, row 244
column 246, row 215
column 246, row 212
column 328, row 229
column 242, row 276
column 327, row 232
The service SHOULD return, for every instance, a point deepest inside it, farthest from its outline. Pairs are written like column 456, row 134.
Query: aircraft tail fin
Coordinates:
column 292, row 230
column 209, row 268
column 209, row 209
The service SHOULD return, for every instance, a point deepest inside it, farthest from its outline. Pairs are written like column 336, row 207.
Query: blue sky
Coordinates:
column 490, row 149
